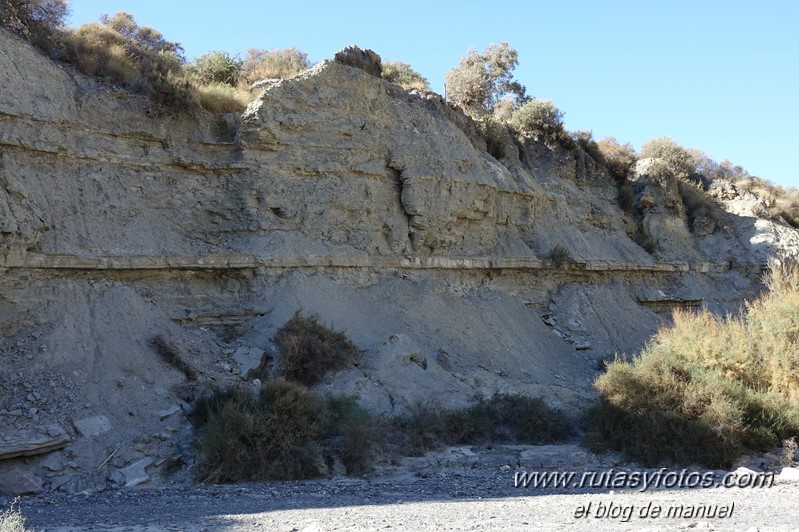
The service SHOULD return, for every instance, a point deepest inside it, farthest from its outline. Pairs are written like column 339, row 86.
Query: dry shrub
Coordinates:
column 275, row 64
column 310, row 350
column 222, row 98
column 102, row 52
column 559, row 255
column 503, row 418
column 708, row 389
column 283, row 433
column 11, row 520
column 697, row 203
column 38, row 21
column 619, row 158
column 137, row 57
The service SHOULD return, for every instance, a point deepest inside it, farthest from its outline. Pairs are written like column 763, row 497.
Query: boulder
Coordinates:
column 17, row 481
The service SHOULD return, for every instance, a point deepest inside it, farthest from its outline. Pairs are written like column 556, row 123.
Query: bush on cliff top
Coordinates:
column 38, row 21
column 708, row 389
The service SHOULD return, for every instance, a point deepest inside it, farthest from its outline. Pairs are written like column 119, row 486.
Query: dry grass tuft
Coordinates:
column 222, row 98
column 11, row 520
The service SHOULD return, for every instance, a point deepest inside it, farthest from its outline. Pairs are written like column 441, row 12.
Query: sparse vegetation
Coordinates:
column 120, row 51
column 480, row 80
column 669, row 159
column 697, row 203
column 222, row 98
column 708, row 389
column 216, row 67
column 38, row 21
column 559, row 255
column 625, row 196
column 11, row 520
column 651, row 244
column 310, row 349
column 404, row 75
column 501, row 419
column 619, row 159
column 274, row 64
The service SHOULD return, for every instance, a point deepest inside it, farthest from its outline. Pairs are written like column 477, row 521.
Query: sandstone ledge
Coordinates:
column 246, row 261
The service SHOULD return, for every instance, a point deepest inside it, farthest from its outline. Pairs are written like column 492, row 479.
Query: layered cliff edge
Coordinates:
column 335, row 193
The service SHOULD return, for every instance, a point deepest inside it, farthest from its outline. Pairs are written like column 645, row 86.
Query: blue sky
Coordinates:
column 720, row 76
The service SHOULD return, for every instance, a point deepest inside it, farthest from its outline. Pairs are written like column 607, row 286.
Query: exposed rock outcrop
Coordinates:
column 340, row 194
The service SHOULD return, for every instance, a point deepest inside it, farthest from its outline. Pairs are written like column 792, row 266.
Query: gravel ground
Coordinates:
column 477, row 495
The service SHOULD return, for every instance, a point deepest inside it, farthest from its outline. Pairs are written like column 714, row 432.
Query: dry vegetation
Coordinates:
column 708, row 389
column 11, row 520
column 310, row 350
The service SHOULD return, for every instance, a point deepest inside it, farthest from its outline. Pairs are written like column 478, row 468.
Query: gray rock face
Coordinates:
column 92, row 426
column 136, row 473
column 18, row 481
column 341, row 195
column 703, row 226
column 366, row 60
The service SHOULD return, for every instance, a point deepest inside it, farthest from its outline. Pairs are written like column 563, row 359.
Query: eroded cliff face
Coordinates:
column 338, row 194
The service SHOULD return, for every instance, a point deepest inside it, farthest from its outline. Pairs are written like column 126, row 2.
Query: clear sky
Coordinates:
column 718, row 75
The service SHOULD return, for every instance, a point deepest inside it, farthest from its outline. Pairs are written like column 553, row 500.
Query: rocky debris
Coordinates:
column 91, row 427
column 19, row 481
column 136, row 473
column 167, row 412
column 28, row 443
column 252, row 361
column 265, row 84
column 703, row 226
column 366, row 60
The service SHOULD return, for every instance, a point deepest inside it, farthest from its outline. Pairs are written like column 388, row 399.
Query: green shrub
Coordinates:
column 215, row 67
column 625, row 196
column 11, row 520
column 351, row 433
column 283, row 433
column 503, row 418
column 541, row 120
column 310, row 350
column 404, row 75
column 276, row 64
column 272, row 436
column 38, row 21
column 480, row 80
column 708, row 389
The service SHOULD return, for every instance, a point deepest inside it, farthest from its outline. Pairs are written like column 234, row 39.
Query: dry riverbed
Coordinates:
column 457, row 489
